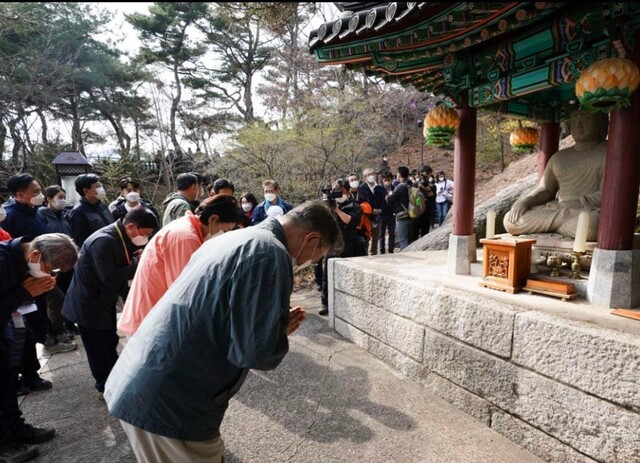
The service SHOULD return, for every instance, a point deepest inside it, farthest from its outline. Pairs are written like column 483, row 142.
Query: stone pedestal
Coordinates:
column 462, row 252
column 614, row 279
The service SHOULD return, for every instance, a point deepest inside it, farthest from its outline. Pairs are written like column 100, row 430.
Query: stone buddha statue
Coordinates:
column 572, row 182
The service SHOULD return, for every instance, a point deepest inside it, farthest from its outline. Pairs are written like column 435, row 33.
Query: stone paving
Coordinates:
column 329, row 401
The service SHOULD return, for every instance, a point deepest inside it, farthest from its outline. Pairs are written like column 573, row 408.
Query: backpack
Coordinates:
column 417, row 202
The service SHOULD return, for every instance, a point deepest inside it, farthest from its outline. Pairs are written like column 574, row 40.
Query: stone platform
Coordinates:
column 561, row 379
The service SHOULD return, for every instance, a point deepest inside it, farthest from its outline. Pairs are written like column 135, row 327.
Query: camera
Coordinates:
column 55, row 272
column 329, row 197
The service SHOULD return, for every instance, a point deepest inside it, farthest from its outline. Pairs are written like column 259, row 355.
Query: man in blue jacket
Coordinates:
column 228, row 312
column 25, row 267
column 26, row 197
column 271, row 198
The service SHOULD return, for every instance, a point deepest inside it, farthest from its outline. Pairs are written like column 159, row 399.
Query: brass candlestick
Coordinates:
column 554, row 262
column 575, row 265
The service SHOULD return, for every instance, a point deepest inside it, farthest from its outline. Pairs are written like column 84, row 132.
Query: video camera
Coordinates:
column 329, row 197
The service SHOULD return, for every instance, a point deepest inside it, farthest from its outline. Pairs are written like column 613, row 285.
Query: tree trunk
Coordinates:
column 17, row 141
column 293, row 72
column 174, row 109
column 27, row 139
column 76, row 131
column 3, row 135
column 137, row 135
column 248, row 70
column 45, row 127
column 124, row 140
column 248, row 99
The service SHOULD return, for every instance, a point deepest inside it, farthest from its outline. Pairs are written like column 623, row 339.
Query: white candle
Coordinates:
column 580, row 243
column 491, row 223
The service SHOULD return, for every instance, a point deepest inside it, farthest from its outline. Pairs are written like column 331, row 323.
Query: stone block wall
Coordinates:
column 565, row 390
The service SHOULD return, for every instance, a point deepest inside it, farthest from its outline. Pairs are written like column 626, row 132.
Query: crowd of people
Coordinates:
column 199, row 306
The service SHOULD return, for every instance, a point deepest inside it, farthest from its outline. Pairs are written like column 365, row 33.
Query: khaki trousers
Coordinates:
column 153, row 448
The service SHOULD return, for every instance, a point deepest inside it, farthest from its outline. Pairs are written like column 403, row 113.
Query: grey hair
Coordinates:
column 316, row 216
column 368, row 171
column 56, row 249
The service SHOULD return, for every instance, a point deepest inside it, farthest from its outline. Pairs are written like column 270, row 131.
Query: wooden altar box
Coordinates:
column 506, row 263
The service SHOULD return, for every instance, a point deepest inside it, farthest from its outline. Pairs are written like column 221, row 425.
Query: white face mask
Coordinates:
column 35, row 271
column 247, row 206
column 59, row 204
column 210, row 235
column 133, row 197
column 270, row 196
column 3, row 213
column 100, row 192
column 305, row 264
column 354, row 184
column 140, row 240
column 341, row 199
column 371, row 179
column 37, row 200
column 213, row 235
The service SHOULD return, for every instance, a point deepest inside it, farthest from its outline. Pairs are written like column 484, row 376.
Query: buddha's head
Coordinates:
column 589, row 127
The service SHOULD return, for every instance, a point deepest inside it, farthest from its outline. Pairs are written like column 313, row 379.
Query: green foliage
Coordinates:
column 236, row 38
column 330, row 121
column 164, row 33
column 493, row 147
column 342, row 134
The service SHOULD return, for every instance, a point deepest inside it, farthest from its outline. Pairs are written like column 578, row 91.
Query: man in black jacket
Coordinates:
column 23, row 220
column 348, row 214
column 370, row 192
column 129, row 198
column 107, row 264
column 25, row 267
column 399, row 200
column 90, row 214
column 387, row 218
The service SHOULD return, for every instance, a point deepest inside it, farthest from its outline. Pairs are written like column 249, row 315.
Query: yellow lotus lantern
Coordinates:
column 440, row 125
column 523, row 139
column 607, row 84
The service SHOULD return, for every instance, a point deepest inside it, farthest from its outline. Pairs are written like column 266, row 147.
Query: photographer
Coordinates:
column 348, row 212
column 422, row 224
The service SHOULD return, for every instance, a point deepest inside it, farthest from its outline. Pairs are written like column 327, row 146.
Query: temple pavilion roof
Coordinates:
column 517, row 58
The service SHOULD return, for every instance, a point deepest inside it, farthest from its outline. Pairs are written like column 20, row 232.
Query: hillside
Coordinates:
column 489, row 178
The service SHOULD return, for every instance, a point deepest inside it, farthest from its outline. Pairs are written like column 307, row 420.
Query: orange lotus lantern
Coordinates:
column 440, row 125
column 523, row 139
column 607, row 84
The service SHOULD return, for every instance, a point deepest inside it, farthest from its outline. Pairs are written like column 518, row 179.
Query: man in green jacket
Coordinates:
column 177, row 204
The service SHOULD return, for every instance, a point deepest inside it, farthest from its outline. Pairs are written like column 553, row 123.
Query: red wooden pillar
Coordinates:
column 464, row 172
column 549, row 144
column 621, row 174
